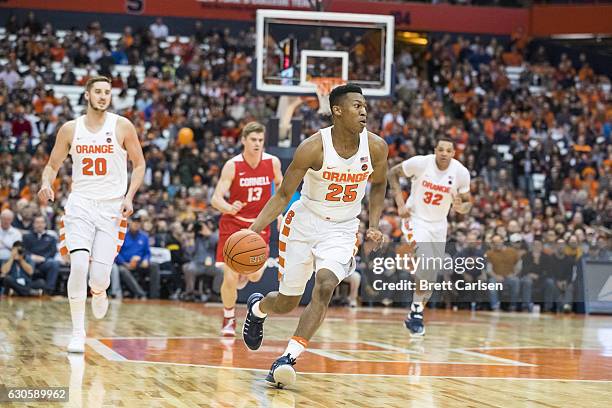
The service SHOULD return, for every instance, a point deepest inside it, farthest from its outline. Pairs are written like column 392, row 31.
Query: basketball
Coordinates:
column 185, row 136
column 245, row 252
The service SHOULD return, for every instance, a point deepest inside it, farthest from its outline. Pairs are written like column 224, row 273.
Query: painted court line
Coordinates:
column 403, row 376
column 104, row 350
column 329, row 354
column 506, row 361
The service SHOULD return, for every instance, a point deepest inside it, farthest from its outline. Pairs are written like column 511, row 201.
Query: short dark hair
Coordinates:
column 338, row 92
column 444, row 138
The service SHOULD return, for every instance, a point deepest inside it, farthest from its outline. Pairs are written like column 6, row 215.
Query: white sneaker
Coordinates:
column 99, row 304
column 77, row 343
column 228, row 329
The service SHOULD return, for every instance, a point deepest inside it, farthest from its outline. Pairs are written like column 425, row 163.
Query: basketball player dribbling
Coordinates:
column 438, row 181
column 95, row 219
column 248, row 178
column 320, row 229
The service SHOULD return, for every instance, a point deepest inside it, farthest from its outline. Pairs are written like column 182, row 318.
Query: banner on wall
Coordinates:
column 538, row 20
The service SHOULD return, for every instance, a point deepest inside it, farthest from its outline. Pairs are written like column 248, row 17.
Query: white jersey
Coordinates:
column 335, row 191
column 99, row 162
column 432, row 189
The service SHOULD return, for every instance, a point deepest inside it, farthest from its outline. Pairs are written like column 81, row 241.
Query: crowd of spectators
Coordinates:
column 539, row 150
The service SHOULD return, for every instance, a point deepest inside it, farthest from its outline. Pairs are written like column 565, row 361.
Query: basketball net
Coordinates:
column 324, row 86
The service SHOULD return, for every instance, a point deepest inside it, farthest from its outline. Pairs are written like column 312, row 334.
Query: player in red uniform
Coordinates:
column 248, row 178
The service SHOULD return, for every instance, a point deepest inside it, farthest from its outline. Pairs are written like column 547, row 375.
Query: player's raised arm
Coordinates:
column 223, row 185
column 378, row 180
column 305, row 157
column 134, row 150
column 58, row 155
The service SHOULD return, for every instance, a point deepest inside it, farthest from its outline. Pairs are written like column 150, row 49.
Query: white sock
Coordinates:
column 295, row 347
column 417, row 307
column 228, row 313
column 77, row 289
column 77, row 312
column 257, row 311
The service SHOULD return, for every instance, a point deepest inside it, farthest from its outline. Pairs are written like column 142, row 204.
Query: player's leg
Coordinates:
column 232, row 281
column 295, row 269
column 282, row 373
column 110, row 233
column 414, row 320
column 76, row 238
column 354, row 280
column 430, row 239
column 229, row 294
column 334, row 259
column 293, row 278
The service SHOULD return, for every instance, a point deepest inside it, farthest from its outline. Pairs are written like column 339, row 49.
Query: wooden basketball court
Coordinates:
column 169, row 354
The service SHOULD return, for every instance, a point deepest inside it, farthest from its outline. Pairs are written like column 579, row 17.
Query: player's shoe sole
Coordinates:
column 417, row 335
column 282, row 374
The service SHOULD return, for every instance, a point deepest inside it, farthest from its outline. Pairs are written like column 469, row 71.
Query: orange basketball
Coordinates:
column 185, row 136
column 245, row 252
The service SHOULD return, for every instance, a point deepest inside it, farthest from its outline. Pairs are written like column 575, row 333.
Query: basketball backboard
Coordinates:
column 294, row 47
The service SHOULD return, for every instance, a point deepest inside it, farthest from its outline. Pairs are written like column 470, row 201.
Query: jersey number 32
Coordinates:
column 433, row 199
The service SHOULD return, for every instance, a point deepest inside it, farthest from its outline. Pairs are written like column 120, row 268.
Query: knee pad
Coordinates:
column 77, row 281
column 99, row 276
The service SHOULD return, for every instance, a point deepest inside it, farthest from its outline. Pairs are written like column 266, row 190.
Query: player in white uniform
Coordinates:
column 319, row 231
column 95, row 220
column 438, row 182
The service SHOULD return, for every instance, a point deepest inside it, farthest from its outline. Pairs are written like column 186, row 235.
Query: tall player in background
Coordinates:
column 320, row 229
column 95, row 220
column 248, row 178
column 438, row 182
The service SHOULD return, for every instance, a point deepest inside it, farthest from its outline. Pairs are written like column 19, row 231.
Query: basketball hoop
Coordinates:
column 324, row 86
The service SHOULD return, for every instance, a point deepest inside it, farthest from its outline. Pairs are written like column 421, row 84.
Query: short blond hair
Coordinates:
column 95, row 79
column 252, row 127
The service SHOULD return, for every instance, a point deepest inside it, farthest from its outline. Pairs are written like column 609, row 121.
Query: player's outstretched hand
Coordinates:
column 236, row 206
column 374, row 240
column 46, row 194
column 404, row 212
column 126, row 208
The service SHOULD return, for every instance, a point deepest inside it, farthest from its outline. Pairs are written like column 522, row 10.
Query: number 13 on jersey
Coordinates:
column 254, row 194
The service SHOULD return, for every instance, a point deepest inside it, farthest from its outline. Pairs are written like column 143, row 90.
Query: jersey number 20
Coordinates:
column 91, row 166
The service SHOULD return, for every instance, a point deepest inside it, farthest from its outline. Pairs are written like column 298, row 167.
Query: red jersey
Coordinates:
column 252, row 186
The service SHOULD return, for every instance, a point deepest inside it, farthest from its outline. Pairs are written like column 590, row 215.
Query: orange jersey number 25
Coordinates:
column 335, row 190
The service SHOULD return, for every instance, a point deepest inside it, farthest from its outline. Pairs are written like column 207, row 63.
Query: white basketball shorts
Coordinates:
column 430, row 240
column 94, row 225
column 308, row 243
